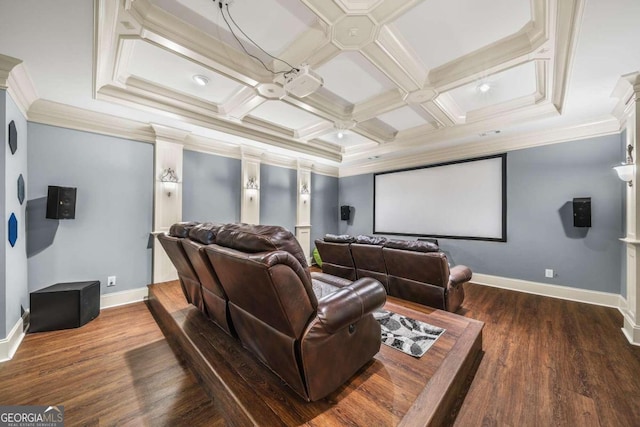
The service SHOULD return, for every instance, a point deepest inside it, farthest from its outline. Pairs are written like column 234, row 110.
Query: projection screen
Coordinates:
column 457, row 200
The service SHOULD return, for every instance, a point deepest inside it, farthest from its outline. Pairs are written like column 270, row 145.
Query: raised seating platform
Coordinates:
column 393, row 389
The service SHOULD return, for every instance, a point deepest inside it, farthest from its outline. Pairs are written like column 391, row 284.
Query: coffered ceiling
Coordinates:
column 402, row 78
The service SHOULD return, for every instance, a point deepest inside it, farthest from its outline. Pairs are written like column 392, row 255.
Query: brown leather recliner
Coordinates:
column 214, row 298
column 336, row 257
column 313, row 345
column 418, row 272
column 171, row 242
column 368, row 259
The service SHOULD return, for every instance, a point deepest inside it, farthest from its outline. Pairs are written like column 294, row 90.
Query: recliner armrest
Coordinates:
column 459, row 275
column 349, row 304
column 339, row 282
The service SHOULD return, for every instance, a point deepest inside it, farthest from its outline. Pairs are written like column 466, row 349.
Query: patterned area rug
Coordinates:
column 405, row 334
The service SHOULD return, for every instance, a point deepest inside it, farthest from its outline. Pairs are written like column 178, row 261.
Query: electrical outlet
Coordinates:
column 548, row 273
column 111, row 281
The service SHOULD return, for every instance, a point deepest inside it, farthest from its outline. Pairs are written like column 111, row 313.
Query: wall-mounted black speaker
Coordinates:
column 582, row 212
column 61, row 202
column 345, row 212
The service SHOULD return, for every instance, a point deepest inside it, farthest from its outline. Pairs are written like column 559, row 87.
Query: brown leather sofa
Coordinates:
column 336, row 256
column 412, row 270
column 313, row 330
column 189, row 281
column 314, row 345
column 214, row 298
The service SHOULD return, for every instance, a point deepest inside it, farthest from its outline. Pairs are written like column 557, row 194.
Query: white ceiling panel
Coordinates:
column 352, row 77
column 510, row 84
column 177, row 73
column 272, row 24
column 440, row 31
column 402, row 118
column 349, row 139
column 285, row 115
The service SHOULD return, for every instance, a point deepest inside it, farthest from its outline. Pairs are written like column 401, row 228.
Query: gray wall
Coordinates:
column 357, row 192
column 3, row 212
column 541, row 183
column 211, row 188
column 15, row 294
column 110, row 234
column 324, row 206
column 278, row 196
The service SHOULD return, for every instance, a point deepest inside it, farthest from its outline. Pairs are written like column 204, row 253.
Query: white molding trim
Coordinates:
column 115, row 299
column 10, row 344
column 15, row 78
column 605, row 299
column 631, row 329
column 443, row 153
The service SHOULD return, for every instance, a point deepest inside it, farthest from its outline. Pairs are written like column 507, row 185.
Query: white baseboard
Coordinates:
column 630, row 329
column 115, row 299
column 555, row 291
column 10, row 344
column 606, row 299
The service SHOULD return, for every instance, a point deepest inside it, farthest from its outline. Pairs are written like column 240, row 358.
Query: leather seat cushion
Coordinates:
column 342, row 238
column 181, row 229
column 412, row 245
column 370, row 240
column 205, row 233
column 260, row 238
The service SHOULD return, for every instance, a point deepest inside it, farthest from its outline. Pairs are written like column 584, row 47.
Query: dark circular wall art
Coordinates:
column 20, row 189
column 13, row 137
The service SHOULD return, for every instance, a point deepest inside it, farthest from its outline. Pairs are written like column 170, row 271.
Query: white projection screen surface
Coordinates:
column 459, row 200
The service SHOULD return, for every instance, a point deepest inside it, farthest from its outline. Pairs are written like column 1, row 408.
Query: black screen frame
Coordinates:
column 502, row 238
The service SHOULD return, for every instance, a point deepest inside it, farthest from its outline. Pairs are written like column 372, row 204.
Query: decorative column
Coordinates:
column 303, row 216
column 250, row 202
column 628, row 91
column 167, row 200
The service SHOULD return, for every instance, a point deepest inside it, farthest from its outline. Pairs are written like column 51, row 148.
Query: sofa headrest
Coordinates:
column 181, row 229
column 260, row 238
column 412, row 245
column 370, row 240
column 342, row 238
column 205, row 233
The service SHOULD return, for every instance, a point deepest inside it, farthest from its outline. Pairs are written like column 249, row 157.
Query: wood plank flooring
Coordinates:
column 547, row 362
column 550, row 362
column 393, row 389
column 116, row 370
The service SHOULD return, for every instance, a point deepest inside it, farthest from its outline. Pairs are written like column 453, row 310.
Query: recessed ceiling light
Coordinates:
column 340, row 135
column 200, row 79
column 484, row 87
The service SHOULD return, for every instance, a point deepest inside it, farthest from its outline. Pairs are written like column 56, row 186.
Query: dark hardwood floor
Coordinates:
column 550, row 362
column 547, row 362
column 116, row 370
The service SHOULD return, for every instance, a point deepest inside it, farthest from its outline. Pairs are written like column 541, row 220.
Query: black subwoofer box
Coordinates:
column 64, row 306
column 61, row 202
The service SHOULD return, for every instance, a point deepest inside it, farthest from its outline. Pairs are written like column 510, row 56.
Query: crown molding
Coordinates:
column 61, row 115
column 429, row 155
column 166, row 105
column 66, row 116
column 626, row 91
column 15, row 78
column 169, row 134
